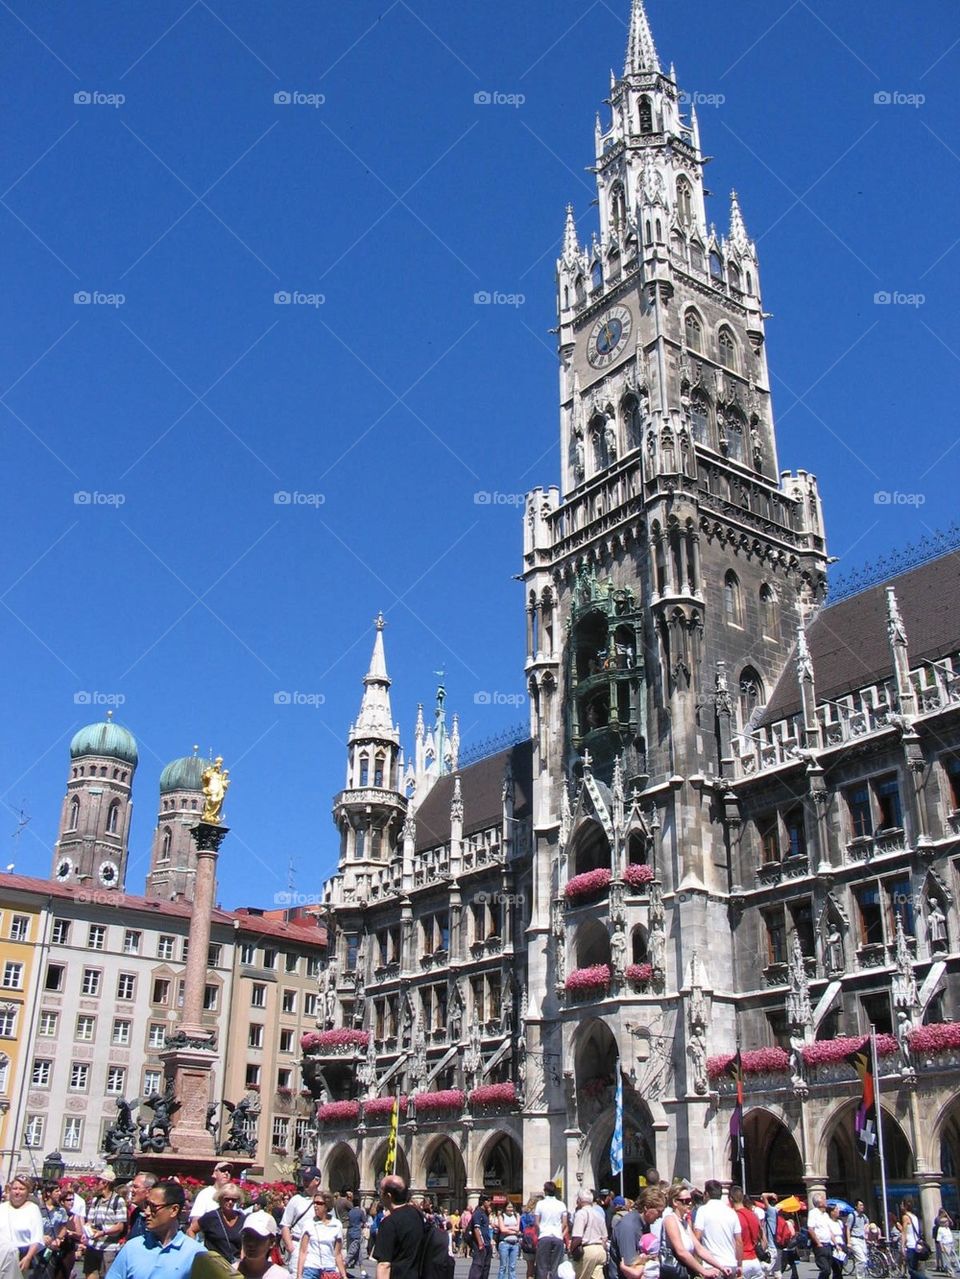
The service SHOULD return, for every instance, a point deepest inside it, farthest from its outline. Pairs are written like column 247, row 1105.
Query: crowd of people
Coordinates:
column 151, row 1229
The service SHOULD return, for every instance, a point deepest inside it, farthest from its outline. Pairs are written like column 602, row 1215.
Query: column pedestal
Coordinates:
column 187, row 1066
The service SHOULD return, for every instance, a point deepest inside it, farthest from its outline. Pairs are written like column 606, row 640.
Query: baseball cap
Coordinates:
column 310, row 1173
column 107, row 1175
column 619, row 1202
column 261, row 1223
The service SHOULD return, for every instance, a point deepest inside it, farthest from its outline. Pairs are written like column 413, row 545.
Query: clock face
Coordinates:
column 108, row 873
column 64, row 867
column 609, row 336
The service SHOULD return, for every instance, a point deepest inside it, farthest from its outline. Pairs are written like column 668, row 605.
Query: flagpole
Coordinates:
column 879, row 1110
column 743, row 1143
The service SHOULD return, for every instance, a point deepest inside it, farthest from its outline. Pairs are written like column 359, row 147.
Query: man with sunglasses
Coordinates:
column 164, row 1252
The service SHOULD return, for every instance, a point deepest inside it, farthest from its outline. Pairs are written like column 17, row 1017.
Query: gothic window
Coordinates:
column 113, row 817
column 630, row 414
column 596, row 276
column 638, row 946
column 727, row 346
column 888, row 800
column 581, row 291
column 696, row 258
column 768, row 610
column 684, row 201
column 648, row 234
column 646, row 116
column 73, row 821
column 716, row 266
column 165, row 845
column 732, row 609
column 733, row 275
column 749, row 283
column 678, row 246
column 801, row 917
column 618, row 206
column 735, row 436
column 364, row 770
column 693, row 331
column 659, row 232
column 751, row 685
column 599, row 440
column 796, row 832
column 378, row 769
column 776, row 939
column 359, row 842
column 700, row 417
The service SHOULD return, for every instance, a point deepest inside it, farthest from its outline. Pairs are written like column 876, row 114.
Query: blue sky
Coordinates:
column 197, row 597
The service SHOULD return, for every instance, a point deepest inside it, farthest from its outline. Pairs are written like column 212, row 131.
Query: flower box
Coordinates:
column 338, row 1112
column 826, row 1051
column 938, row 1038
column 589, row 884
column 446, row 1099
column 378, row 1107
column 757, row 1061
column 318, row 1040
column 494, row 1095
column 640, row 974
column 596, row 977
column 638, row 874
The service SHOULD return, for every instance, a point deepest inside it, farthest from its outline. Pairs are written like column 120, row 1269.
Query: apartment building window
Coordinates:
column 284, row 1079
column 116, row 1080
column 434, row 934
column 20, row 928
column 131, row 941
column 126, row 986
column 247, row 954
column 211, row 999
column 286, row 1041
column 796, row 832
column 776, row 935
column 8, row 1023
column 388, row 943
column 875, row 806
column 161, row 991
column 156, row 1035
column 54, row 977
column 121, row 1032
column 4, row 1074
column 47, row 1026
column 870, row 911
column 40, row 1075
column 301, row 1133
column 279, row 1135
column 72, row 1133
column 291, row 963
column 313, row 961
column 181, row 993
column 214, row 951
column 165, row 946
column 269, row 957
column 79, row 1076
column 92, row 981
column 310, row 1005
column 255, row 1035
column 96, row 937
column 185, row 949
column 258, row 995
column 60, row 933
column 888, row 802
column 152, row 1082
column 12, row 975
column 86, row 1027
column 858, row 809
column 252, row 1077
column 33, row 1131
column 288, row 1001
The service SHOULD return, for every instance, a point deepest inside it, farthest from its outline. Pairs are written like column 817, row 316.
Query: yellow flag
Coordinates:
column 391, row 1160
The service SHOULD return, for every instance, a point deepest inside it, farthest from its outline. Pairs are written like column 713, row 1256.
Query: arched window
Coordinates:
column 364, row 770
column 678, row 246
column 734, row 276
column 693, row 331
column 630, row 414
column 113, row 817
column 727, row 347
column 165, row 844
column 696, row 258
column 749, row 283
column 647, row 233
column 378, row 769
column 751, row 694
column 684, row 201
column 659, row 232
column 73, row 821
column 596, row 276
column 646, row 116
column 638, row 945
column 618, row 206
column 732, row 608
column 580, row 289
column 716, row 265
column 700, row 417
column 768, row 610
column 736, row 447
column 359, row 843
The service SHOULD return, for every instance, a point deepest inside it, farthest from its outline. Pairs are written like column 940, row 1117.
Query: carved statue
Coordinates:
column 237, row 1140
column 618, row 952
column 610, row 438
column 456, row 1013
column 367, row 1070
column 579, row 466
column 473, row 1057
column 212, row 1122
column 796, row 1064
column 155, row 1136
column 122, row 1132
column 835, row 950
column 936, row 924
column 330, row 1003
column 697, row 1017
column 506, row 1005
column 904, row 1027
column 214, row 780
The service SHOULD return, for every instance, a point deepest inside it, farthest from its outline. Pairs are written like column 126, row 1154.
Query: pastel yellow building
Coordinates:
column 24, row 917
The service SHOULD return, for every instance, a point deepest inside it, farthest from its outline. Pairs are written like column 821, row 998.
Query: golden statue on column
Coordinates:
column 215, row 780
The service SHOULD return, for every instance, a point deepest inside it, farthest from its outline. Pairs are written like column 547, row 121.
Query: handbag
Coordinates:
column 671, row 1267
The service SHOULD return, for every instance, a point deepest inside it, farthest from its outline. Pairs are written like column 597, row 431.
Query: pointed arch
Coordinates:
column 592, row 943
column 113, row 818
column 645, row 113
column 773, row 1155
column 716, row 266
column 732, row 604
column 728, row 349
column 618, row 206
column 768, row 611
column 73, row 817
column 589, row 848
column 751, row 694
column 684, row 200
column 693, row 330
column 166, row 843
column 342, row 1169
column 700, row 416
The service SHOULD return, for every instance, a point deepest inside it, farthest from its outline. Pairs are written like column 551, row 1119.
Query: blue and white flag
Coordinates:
column 616, row 1141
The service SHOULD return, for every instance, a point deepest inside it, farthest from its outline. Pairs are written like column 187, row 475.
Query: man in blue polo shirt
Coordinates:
column 164, row 1252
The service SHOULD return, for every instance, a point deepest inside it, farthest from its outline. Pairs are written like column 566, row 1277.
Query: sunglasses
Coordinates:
column 150, row 1206
column 683, row 1201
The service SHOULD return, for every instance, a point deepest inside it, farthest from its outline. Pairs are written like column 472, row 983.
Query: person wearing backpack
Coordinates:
column 400, row 1238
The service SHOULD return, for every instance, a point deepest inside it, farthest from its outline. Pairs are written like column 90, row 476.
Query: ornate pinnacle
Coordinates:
column 804, row 660
column 641, row 52
column 456, row 804
column 895, row 627
column 738, row 232
column 571, row 248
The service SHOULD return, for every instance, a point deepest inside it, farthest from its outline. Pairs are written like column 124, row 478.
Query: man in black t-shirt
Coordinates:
column 400, row 1234
column 481, row 1245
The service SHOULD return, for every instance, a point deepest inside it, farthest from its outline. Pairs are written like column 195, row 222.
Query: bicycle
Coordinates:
column 884, row 1262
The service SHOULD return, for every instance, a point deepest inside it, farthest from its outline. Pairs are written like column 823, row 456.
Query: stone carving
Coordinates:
column 936, row 925
column 456, row 1012
column 506, row 1005
column 559, row 938
column 697, row 1015
column 122, row 1132
column 417, row 1067
column 610, row 438
column 618, row 952
column 367, row 1070
column 238, row 1142
column 799, row 1009
column 473, row 1057
column 656, row 938
column 155, row 1135
column 215, row 781
column 833, row 950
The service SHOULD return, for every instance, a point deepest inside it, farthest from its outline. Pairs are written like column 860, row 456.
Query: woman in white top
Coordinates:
column 677, row 1233
column 948, row 1248
column 321, row 1244
column 21, row 1223
column 910, row 1236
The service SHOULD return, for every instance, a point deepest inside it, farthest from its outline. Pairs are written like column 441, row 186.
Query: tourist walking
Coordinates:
column 680, row 1242
column 943, row 1234
column 718, row 1228
column 588, row 1238
column 221, row 1228
column 481, row 1239
column 321, row 1243
column 298, row 1209
column 553, row 1231
column 165, row 1251
column 910, row 1237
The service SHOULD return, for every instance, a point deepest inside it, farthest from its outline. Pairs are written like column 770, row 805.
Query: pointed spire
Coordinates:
column 804, row 660
column 456, row 804
column 376, row 717
column 571, row 249
column 455, row 744
column 895, row 627
column 738, row 232
column 695, row 128
column 420, row 731
column 641, row 51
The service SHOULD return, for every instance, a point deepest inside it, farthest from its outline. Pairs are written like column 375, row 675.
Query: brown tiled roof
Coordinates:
column 848, row 641
column 481, row 785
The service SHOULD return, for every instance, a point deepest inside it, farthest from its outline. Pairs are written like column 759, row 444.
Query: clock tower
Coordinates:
column 665, row 579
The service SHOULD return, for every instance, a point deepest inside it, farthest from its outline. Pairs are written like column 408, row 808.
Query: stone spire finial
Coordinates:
column 738, row 232
column 456, row 804
column 895, row 627
column 804, row 660
column 641, row 51
column 375, row 715
column 571, row 249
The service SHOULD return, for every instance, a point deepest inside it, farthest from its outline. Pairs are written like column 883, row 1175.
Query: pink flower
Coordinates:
column 757, row 1061
column 640, row 973
column 937, row 1038
column 319, row 1039
column 338, row 1112
column 638, row 874
column 827, row 1051
column 446, row 1099
column 383, row 1106
column 585, row 885
column 592, row 978
column 493, row 1095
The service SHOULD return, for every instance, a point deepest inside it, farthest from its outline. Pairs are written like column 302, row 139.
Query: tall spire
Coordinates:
column 570, row 247
column 641, row 51
column 738, row 232
column 376, row 717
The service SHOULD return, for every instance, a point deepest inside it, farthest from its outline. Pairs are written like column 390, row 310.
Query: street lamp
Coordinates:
column 53, row 1167
column 124, row 1162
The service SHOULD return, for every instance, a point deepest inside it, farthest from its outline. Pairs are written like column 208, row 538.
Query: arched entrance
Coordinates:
column 950, row 1158
column 377, row 1166
column 772, row 1160
column 851, row 1177
column 444, row 1174
column 501, row 1166
column 342, row 1171
column 638, row 1148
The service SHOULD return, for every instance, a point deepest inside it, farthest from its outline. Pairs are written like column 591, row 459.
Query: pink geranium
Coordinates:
column 445, row 1099
column 638, row 874
column 827, row 1051
column 319, row 1039
column 640, row 973
column 585, row 885
column 937, row 1038
column 338, row 1112
column 493, row 1095
column 593, row 978
column 757, row 1061
column 383, row 1106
